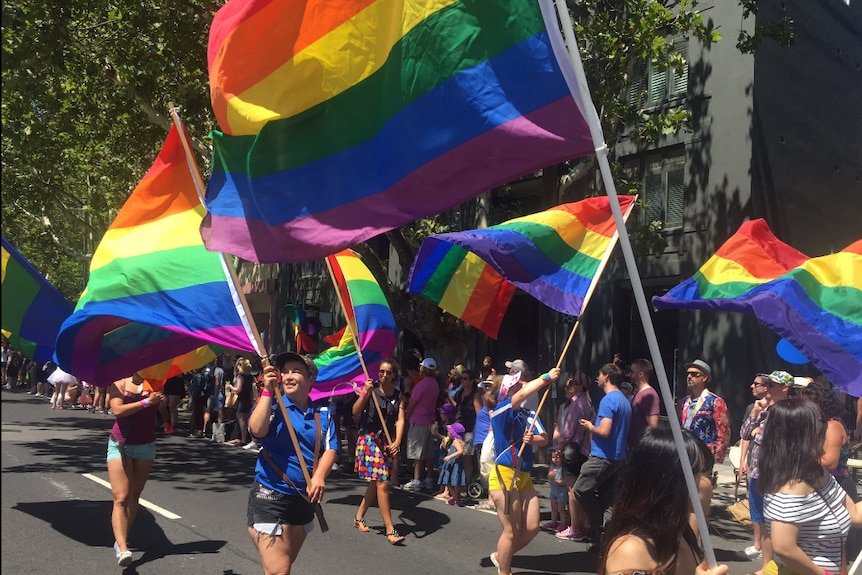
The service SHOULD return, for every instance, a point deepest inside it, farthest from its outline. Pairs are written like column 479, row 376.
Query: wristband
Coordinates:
column 265, row 393
column 145, row 402
column 546, row 377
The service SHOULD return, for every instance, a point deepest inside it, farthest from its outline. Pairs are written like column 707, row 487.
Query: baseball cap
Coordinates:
column 429, row 363
column 701, row 365
column 286, row 356
column 780, row 377
column 447, row 409
column 519, row 365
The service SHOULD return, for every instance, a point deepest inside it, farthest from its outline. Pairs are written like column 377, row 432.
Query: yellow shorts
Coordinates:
column 523, row 483
column 773, row 568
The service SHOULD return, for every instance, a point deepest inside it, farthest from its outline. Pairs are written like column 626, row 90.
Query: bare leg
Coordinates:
column 278, row 553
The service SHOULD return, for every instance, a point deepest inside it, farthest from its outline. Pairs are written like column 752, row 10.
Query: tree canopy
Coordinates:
column 84, row 111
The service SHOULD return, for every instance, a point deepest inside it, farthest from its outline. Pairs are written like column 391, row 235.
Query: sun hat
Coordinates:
column 286, row 356
column 701, row 365
column 447, row 409
column 456, row 430
column 428, row 363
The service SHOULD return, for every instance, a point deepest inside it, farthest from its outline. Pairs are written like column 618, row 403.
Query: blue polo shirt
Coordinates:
column 280, row 447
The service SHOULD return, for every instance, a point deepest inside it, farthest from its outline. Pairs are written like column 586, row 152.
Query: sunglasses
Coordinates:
column 384, row 372
column 693, row 374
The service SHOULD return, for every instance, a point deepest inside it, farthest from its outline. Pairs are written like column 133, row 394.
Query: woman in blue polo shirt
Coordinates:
column 511, row 425
column 280, row 503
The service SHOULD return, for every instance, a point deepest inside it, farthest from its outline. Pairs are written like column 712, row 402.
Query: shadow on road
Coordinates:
column 89, row 522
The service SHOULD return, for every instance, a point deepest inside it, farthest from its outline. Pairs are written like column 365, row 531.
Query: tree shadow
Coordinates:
column 68, row 517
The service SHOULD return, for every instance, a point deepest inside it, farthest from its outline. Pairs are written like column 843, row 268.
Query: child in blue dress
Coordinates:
column 452, row 473
column 559, row 494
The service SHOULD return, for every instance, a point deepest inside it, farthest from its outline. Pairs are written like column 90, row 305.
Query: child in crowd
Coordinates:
column 452, row 473
column 559, row 493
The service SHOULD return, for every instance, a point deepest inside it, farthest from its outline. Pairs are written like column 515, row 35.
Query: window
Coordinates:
column 650, row 86
column 663, row 187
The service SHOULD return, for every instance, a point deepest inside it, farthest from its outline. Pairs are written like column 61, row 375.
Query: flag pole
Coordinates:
column 239, row 297
column 592, row 118
column 595, row 282
column 351, row 325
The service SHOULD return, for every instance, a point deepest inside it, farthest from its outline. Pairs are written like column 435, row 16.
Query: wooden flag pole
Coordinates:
column 251, row 327
column 352, row 327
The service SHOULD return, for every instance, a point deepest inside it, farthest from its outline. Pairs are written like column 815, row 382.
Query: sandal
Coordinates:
column 486, row 506
column 361, row 525
column 394, row 537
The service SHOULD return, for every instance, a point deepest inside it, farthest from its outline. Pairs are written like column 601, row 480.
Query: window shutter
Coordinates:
column 657, row 85
column 637, row 86
column 675, row 192
column 679, row 87
column 654, row 196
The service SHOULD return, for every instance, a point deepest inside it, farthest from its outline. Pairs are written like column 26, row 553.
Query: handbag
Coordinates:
column 230, row 399
column 740, row 511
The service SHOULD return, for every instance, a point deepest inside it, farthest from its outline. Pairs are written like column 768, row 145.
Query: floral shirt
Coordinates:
column 707, row 418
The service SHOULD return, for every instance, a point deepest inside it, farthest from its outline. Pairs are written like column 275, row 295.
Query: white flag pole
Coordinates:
column 581, row 93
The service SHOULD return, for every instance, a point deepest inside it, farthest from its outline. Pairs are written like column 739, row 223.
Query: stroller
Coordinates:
column 478, row 489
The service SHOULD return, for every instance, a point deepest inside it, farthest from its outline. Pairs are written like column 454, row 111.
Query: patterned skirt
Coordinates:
column 371, row 462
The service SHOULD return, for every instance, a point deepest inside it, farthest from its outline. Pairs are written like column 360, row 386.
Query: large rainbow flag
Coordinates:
column 342, row 120
column 154, row 291
column 368, row 316
column 556, row 256
column 33, row 310
column 814, row 303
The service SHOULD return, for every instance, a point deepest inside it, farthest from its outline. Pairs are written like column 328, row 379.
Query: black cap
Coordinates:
column 286, row 356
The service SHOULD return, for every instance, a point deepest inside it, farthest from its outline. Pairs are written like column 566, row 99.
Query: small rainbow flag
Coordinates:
column 156, row 375
column 814, row 303
column 368, row 316
column 33, row 310
column 154, row 291
column 556, row 256
column 342, row 120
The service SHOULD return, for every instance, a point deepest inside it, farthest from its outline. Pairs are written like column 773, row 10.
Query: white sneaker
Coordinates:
column 750, row 552
column 250, row 445
column 124, row 559
column 413, row 485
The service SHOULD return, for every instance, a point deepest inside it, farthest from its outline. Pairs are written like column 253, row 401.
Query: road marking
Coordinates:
column 151, row 506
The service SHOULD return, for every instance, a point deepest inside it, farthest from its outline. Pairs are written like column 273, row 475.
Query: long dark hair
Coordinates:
column 652, row 501
column 793, row 437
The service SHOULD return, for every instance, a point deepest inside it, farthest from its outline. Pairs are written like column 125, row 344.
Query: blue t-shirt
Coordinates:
column 509, row 426
column 615, row 406
column 280, row 447
column 483, row 424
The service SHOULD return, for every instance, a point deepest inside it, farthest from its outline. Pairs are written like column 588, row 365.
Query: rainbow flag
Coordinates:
column 33, row 309
column 154, row 292
column 556, row 256
column 368, row 316
column 342, row 120
column 156, row 375
column 814, row 303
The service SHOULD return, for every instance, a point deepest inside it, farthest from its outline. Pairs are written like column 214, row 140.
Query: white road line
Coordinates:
column 151, row 506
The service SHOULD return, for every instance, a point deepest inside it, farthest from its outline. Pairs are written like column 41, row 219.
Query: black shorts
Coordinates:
column 573, row 459
column 268, row 506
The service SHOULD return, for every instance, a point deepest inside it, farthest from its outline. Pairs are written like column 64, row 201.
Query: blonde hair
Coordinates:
column 243, row 366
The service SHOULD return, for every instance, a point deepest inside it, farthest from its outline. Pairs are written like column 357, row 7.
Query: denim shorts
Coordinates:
column 268, row 510
column 145, row 451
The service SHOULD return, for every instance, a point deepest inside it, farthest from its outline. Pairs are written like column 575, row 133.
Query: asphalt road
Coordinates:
column 56, row 513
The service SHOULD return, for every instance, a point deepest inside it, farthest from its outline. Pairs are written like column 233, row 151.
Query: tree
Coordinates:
column 84, row 112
